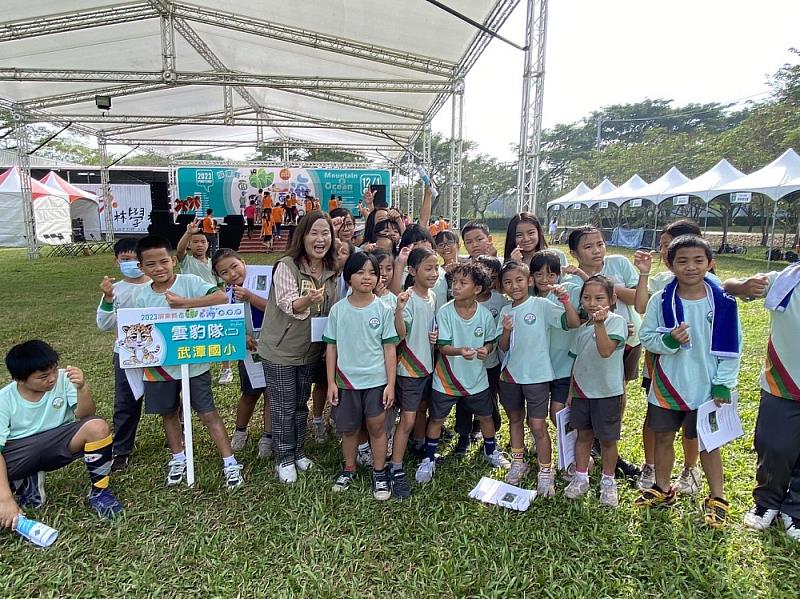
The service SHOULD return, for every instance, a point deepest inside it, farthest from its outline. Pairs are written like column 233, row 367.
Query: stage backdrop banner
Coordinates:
column 228, row 190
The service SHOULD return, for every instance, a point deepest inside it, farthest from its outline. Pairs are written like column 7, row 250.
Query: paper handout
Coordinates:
column 495, row 492
column 717, row 426
column 566, row 439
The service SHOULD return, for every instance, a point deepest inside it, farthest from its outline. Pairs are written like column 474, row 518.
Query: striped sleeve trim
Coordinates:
column 390, row 340
column 328, row 340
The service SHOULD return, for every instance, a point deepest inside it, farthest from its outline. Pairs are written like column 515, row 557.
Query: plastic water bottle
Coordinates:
column 423, row 174
column 37, row 533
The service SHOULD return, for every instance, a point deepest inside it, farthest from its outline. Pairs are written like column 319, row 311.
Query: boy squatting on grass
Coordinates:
column 47, row 420
column 162, row 384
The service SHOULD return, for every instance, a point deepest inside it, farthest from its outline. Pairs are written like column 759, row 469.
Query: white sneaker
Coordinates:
column 579, row 486
column 546, row 484
column 233, row 476
column 364, row 457
column 792, row 526
column 264, row 447
column 176, row 472
column 225, row 376
column 238, row 440
column 517, row 472
column 760, row 518
column 647, row 479
column 425, row 471
column 304, row 464
column 287, row 474
column 689, row 481
column 497, row 459
column 608, row 492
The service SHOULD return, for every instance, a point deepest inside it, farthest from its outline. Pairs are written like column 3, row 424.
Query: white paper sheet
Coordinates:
column 258, row 280
column 255, row 372
column 566, row 439
column 718, row 426
column 495, row 492
column 318, row 324
column 135, row 377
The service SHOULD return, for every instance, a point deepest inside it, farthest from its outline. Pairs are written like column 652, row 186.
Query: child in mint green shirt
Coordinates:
column 361, row 364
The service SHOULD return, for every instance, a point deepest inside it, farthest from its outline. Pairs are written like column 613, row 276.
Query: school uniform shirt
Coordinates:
column 440, row 288
column 659, row 281
column 684, row 378
column 20, row 418
column 528, row 361
column 495, row 304
column 621, row 272
column 124, row 297
column 359, row 335
column 185, row 286
column 561, row 339
column 390, row 299
column 455, row 375
column 201, row 268
column 415, row 353
column 593, row 376
column 781, row 373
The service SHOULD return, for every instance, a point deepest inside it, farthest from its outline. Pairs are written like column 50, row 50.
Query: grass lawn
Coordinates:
column 304, row 541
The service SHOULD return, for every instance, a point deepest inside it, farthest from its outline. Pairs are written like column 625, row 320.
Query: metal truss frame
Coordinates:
column 456, row 154
column 105, row 188
column 274, row 164
column 23, row 162
column 530, row 128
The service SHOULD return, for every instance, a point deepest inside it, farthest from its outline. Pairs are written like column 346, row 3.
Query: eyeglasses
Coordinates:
column 445, row 244
column 348, row 225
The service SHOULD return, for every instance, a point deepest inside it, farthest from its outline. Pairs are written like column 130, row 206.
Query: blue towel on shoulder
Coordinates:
column 724, row 324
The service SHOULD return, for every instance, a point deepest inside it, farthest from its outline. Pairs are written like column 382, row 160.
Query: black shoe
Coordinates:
column 462, row 446
column 120, row 463
column 627, row 470
column 400, row 486
column 446, row 435
column 417, row 452
column 381, row 486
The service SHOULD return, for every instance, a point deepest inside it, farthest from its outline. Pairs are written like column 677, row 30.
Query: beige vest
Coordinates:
column 285, row 340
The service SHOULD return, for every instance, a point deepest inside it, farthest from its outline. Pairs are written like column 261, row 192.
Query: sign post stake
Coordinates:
column 188, row 445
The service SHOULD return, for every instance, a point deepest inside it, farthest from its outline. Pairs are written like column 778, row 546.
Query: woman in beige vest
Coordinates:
column 303, row 288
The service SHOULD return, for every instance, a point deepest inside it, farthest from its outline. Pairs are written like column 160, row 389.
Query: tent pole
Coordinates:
column 705, row 226
column 772, row 234
column 23, row 162
column 655, row 227
column 105, row 189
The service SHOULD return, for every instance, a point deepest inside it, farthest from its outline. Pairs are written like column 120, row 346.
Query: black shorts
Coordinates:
column 411, row 392
column 630, row 362
column 163, row 397
column 559, row 390
column 479, row 404
column 355, row 405
column 602, row 416
column 533, row 398
column 244, row 382
column 46, row 451
column 662, row 420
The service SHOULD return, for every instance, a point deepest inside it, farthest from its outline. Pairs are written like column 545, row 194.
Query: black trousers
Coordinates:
column 464, row 419
column 127, row 412
column 777, row 442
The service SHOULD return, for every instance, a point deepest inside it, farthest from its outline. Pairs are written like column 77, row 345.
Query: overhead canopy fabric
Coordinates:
column 590, row 198
column 776, row 180
column 707, row 185
column 660, row 189
column 226, row 73
column 50, row 212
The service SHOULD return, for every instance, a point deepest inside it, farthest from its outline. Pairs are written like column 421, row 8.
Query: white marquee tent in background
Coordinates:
column 82, row 204
column 627, row 191
column 580, row 189
column 50, row 212
column 706, row 186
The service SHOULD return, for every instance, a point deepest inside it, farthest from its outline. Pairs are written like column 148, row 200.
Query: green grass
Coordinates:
column 304, row 541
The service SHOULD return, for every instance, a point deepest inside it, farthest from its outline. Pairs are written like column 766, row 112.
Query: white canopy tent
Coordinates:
column 50, row 210
column 579, row 190
column 604, row 188
column 776, row 180
column 624, row 192
column 83, row 204
column 706, row 186
column 660, row 189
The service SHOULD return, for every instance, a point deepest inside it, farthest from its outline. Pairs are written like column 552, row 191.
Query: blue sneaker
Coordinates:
column 30, row 491
column 105, row 504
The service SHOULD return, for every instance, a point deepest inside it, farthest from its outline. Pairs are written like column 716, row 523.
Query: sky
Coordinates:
column 602, row 52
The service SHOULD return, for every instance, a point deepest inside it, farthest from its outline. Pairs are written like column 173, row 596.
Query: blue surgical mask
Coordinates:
column 130, row 269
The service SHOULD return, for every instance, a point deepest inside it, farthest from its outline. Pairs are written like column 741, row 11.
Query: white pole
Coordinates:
column 772, row 234
column 186, row 402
